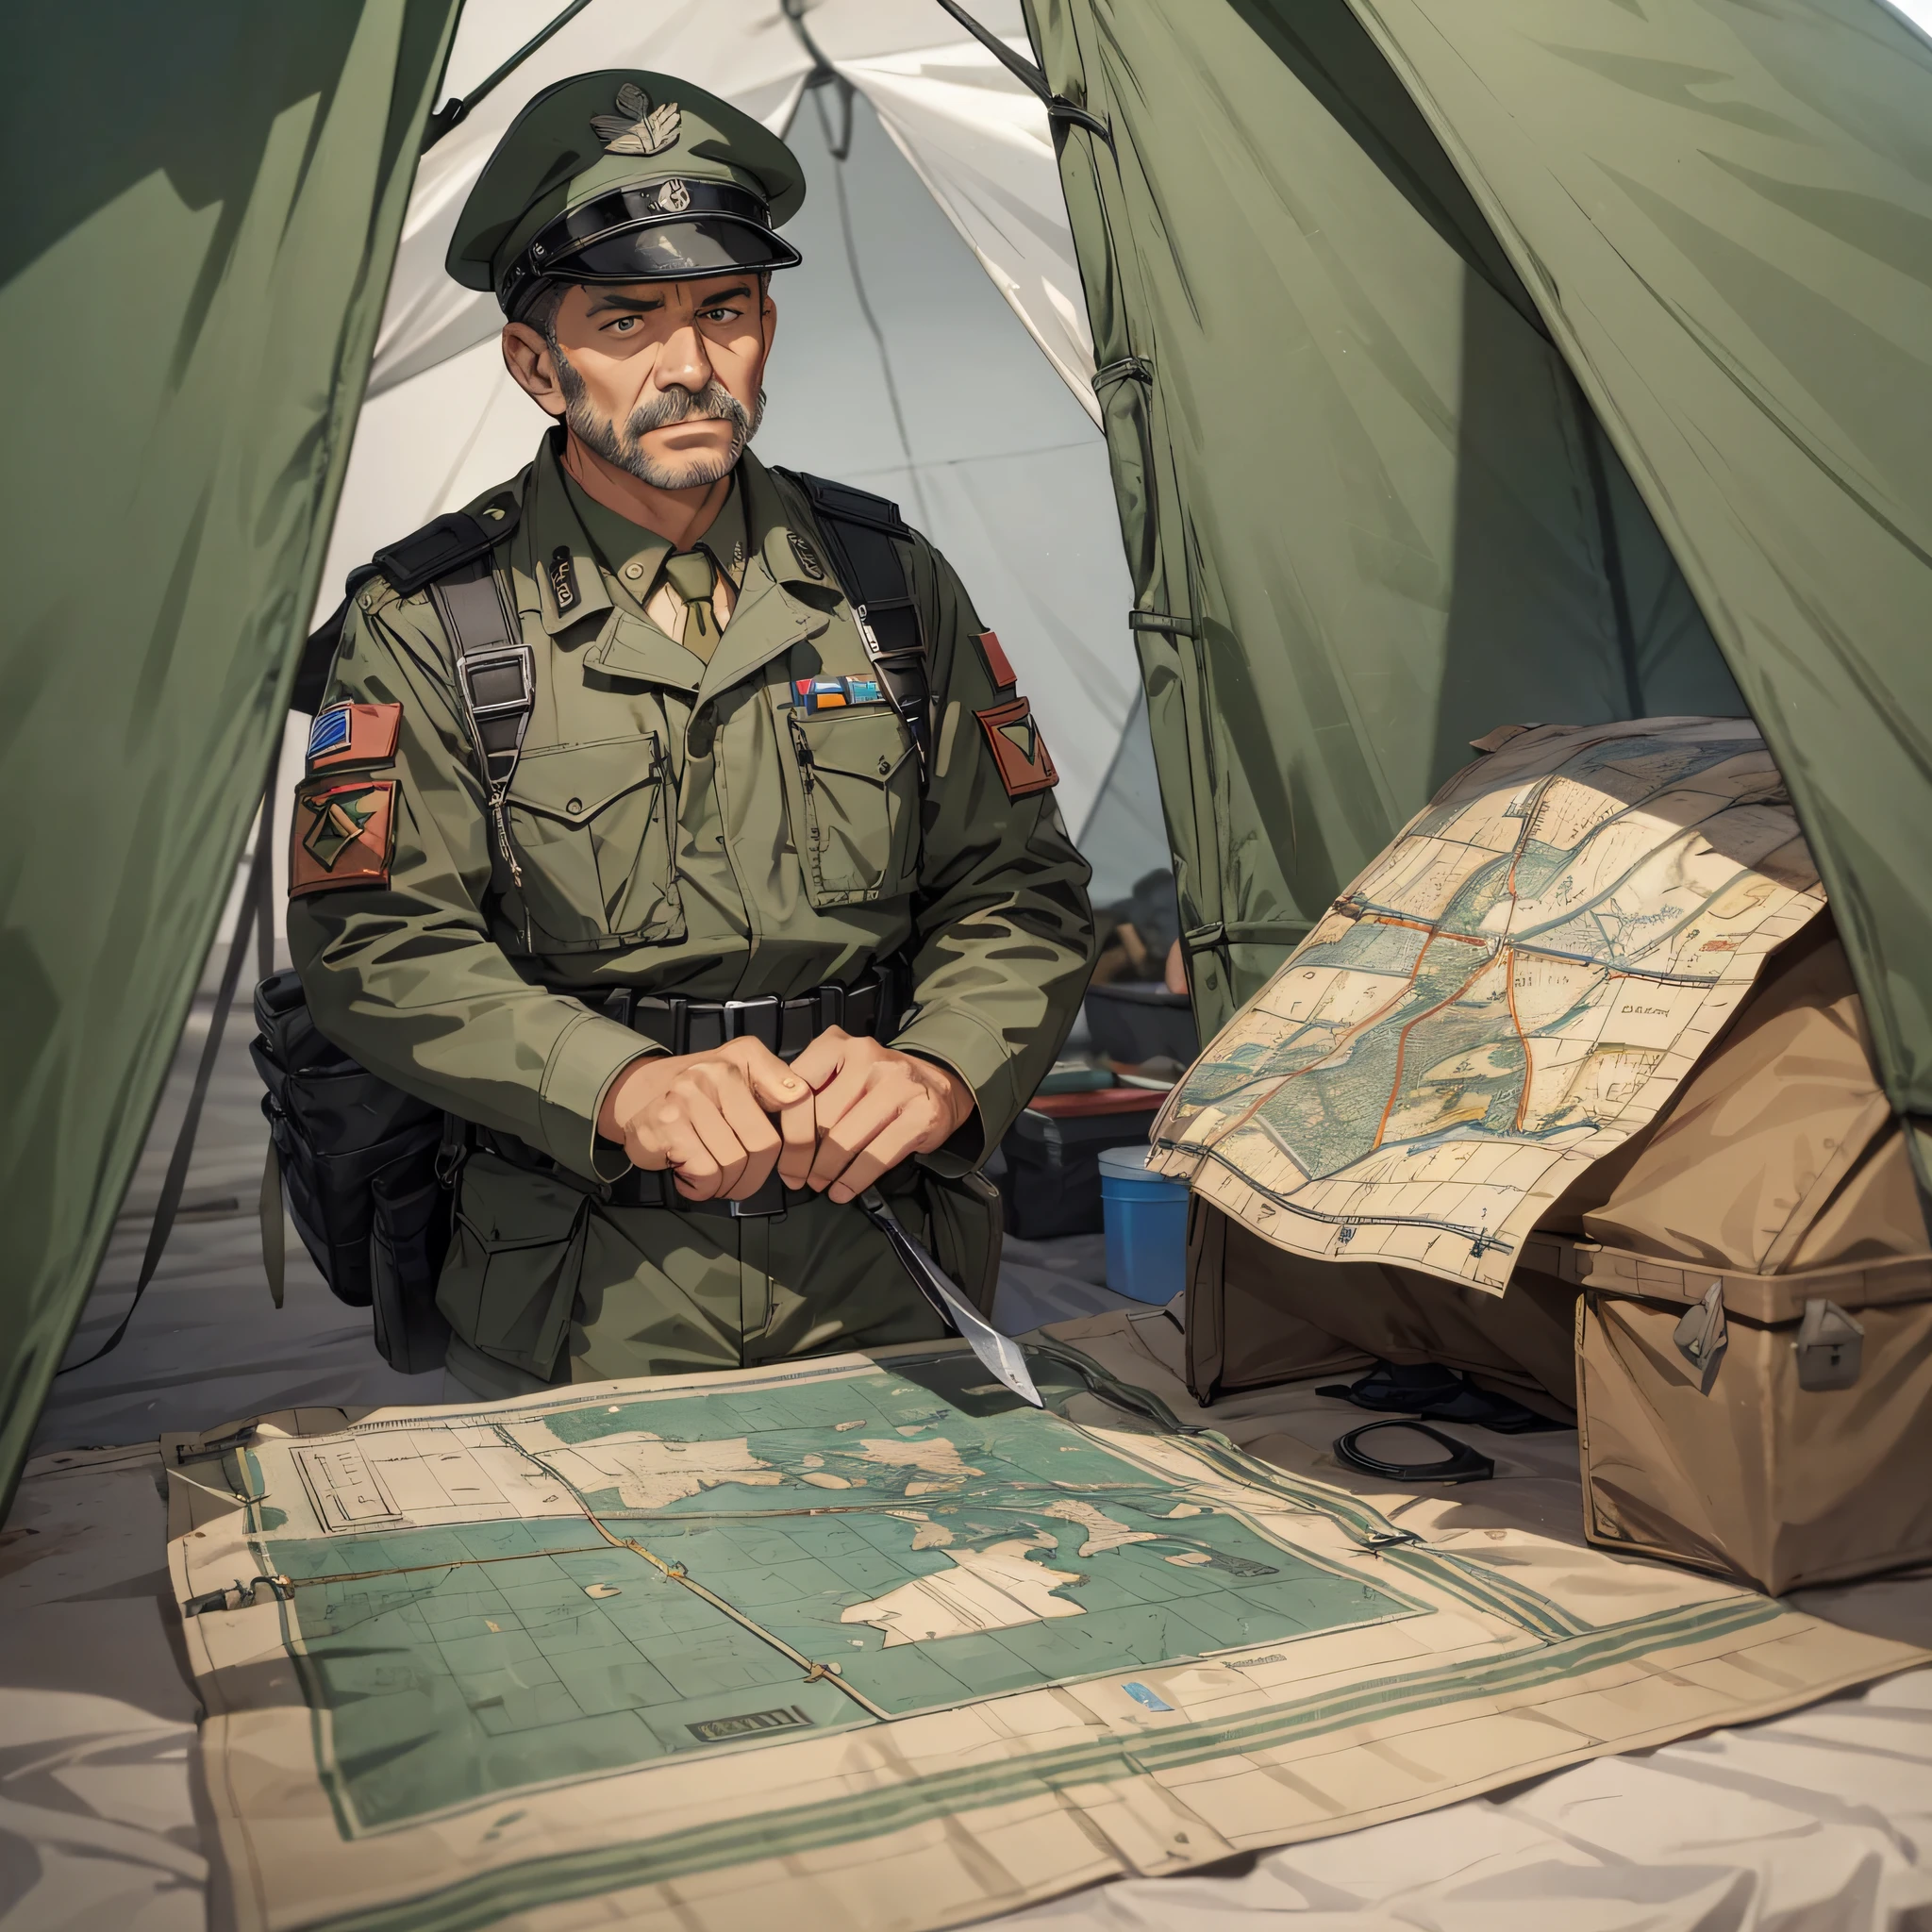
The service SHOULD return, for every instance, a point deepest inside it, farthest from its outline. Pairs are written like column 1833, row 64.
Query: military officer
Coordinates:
column 697, row 889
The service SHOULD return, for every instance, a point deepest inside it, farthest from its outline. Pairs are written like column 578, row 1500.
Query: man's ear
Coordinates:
column 767, row 314
column 530, row 362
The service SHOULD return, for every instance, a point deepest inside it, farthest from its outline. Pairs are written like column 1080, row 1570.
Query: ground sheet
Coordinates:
column 864, row 1642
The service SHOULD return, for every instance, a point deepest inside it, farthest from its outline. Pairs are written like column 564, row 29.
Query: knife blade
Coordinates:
column 999, row 1355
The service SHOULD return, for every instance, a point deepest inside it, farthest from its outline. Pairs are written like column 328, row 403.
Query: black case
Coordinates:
column 1053, row 1170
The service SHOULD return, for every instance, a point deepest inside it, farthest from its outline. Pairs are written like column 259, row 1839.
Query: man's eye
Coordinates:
column 623, row 325
column 717, row 314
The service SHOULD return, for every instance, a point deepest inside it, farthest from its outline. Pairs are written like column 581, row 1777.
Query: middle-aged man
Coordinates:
column 712, row 869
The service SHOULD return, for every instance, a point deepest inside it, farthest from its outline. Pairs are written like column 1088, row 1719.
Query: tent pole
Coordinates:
column 454, row 111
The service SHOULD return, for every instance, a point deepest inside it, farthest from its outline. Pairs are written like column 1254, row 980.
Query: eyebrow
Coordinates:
column 630, row 302
column 726, row 295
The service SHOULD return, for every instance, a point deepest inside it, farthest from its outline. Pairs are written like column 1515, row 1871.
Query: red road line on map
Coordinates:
column 1402, row 1045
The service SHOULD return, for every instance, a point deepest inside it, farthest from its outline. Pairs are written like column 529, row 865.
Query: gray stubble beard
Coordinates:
column 623, row 446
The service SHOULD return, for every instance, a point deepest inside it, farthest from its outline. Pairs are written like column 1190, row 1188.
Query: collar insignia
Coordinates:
column 808, row 557
column 563, row 579
column 637, row 127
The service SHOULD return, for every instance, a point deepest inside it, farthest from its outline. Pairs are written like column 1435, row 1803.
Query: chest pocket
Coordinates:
column 591, row 828
column 852, row 786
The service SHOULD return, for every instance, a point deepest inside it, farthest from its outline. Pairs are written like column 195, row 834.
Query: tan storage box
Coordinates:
column 1778, row 1430
column 1755, row 1334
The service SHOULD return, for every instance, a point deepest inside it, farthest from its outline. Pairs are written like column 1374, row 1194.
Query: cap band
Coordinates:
column 610, row 237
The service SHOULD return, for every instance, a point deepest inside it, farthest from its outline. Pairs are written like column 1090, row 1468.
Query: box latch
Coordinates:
column 1830, row 1347
column 1703, row 1334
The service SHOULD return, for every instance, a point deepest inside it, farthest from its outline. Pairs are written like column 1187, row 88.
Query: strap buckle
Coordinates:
column 488, row 693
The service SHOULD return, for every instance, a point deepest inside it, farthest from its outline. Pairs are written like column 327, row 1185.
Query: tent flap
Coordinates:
column 1369, row 512
column 1536, row 361
column 209, row 200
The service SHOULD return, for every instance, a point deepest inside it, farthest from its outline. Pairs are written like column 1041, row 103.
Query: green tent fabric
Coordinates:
column 204, row 203
column 1534, row 361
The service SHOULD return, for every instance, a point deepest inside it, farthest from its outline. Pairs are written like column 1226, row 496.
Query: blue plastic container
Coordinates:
column 1146, row 1218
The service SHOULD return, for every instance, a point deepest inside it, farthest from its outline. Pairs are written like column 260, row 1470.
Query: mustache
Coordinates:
column 670, row 406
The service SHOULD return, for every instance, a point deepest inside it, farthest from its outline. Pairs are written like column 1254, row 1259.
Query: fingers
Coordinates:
column 899, row 1115
column 799, row 1142
column 817, row 1064
column 908, row 1132
column 771, row 1082
column 708, row 1158
column 752, row 1129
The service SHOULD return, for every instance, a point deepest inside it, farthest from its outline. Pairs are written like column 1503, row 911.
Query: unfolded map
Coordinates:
column 1514, row 988
column 869, row 1644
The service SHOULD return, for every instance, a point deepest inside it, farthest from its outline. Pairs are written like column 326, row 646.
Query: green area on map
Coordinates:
column 932, row 1537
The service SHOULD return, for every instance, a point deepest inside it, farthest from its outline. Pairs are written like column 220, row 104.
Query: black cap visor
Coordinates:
column 678, row 251
column 674, row 231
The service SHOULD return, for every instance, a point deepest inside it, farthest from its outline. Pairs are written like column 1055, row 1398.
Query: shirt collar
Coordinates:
column 634, row 555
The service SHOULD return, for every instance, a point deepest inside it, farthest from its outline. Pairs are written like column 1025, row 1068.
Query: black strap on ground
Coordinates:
column 255, row 912
column 1058, row 107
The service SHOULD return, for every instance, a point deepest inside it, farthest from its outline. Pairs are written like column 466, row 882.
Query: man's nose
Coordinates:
column 682, row 362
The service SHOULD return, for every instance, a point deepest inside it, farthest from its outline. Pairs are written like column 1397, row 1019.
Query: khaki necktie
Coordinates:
column 695, row 577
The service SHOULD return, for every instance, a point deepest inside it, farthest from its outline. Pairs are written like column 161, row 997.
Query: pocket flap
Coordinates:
column 861, row 744
column 574, row 782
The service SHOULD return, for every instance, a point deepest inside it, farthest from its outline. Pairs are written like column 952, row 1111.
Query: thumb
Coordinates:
column 773, row 1085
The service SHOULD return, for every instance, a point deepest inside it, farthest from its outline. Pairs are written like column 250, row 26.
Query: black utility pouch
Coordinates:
column 351, row 1147
column 408, row 1240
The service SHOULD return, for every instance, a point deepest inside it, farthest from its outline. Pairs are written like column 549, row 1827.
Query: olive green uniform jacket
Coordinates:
column 679, row 826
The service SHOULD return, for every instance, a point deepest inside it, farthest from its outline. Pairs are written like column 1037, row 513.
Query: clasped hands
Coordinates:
column 843, row 1113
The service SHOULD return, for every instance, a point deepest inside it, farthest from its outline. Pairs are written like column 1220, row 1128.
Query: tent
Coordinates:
column 1457, row 364
column 1549, row 361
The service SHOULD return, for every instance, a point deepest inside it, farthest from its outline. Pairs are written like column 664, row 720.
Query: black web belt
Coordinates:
column 787, row 1027
column 683, row 1025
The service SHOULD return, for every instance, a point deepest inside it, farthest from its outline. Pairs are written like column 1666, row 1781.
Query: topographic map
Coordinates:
column 869, row 1643
column 1515, row 987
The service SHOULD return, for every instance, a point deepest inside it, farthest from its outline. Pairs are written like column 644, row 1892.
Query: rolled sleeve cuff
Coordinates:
column 588, row 1054
column 985, row 1063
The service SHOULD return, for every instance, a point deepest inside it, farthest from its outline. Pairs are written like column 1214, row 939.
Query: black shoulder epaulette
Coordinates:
column 405, row 566
column 860, row 530
column 840, row 500
column 442, row 546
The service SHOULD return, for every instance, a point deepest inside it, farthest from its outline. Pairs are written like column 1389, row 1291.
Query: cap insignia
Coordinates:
column 673, row 197
column 637, row 127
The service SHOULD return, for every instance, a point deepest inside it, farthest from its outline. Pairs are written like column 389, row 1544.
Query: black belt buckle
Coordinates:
column 753, row 1020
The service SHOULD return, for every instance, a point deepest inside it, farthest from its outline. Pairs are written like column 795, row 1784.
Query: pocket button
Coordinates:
column 885, row 768
column 576, row 806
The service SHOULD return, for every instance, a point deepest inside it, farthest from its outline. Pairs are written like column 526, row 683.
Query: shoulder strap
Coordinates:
column 495, row 674
column 862, row 532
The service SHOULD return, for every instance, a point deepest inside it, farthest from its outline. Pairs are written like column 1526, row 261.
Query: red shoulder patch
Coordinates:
column 1025, row 764
column 342, row 835
column 352, row 734
column 996, row 666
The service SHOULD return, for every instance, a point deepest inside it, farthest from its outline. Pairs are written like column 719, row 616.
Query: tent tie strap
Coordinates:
column 1058, row 109
column 1162, row 621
